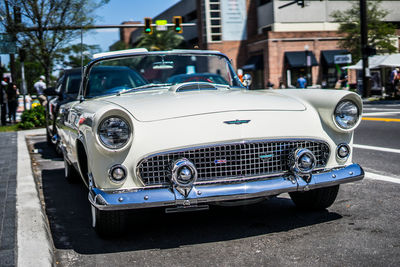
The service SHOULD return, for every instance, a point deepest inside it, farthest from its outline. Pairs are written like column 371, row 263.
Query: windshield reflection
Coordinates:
column 145, row 72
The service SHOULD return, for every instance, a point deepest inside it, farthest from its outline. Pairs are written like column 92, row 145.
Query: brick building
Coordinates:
column 276, row 45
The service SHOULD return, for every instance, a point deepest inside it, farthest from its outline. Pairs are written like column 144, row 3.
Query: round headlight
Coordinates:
column 114, row 132
column 346, row 114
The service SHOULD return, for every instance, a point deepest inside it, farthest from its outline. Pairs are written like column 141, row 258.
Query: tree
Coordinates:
column 33, row 69
column 44, row 44
column 160, row 40
column 380, row 33
column 74, row 55
column 118, row 45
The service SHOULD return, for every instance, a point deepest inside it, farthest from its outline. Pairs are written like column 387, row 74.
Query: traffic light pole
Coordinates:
column 52, row 28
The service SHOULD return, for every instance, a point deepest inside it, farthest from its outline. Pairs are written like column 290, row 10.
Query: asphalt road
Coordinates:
column 380, row 128
column 361, row 229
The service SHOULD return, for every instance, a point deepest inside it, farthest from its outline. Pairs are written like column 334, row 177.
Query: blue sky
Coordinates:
column 115, row 12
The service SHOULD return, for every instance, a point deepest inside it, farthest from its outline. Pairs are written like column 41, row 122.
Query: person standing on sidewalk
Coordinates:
column 301, row 82
column 12, row 100
column 394, row 81
column 3, row 102
column 40, row 86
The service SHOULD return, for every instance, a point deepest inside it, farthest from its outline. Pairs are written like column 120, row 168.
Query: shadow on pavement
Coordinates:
column 68, row 211
column 46, row 151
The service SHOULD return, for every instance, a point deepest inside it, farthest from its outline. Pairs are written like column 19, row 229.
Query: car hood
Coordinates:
column 163, row 104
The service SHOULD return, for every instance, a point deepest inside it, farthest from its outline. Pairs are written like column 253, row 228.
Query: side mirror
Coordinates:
column 247, row 80
column 51, row 91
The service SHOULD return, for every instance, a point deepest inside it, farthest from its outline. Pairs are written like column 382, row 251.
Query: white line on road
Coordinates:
column 381, row 109
column 374, row 176
column 381, row 113
column 384, row 149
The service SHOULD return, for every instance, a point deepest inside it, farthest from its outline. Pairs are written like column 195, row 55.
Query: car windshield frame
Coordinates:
column 233, row 83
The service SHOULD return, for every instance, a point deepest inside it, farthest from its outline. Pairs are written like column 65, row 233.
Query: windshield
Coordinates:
column 144, row 72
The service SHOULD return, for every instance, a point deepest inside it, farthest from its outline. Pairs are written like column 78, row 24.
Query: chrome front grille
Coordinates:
column 231, row 161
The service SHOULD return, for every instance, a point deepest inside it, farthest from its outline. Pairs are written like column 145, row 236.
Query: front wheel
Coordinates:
column 316, row 199
column 108, row 223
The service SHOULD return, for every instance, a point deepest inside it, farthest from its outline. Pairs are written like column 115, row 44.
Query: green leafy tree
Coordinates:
column 380, row 33
column 74, row 55
column 118, row 45
column 160, row 40
column 50, row 18
column 33, row 69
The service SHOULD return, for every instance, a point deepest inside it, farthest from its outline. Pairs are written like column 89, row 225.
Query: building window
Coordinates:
column 214, row 6
column 216, row 38
column 212, row 12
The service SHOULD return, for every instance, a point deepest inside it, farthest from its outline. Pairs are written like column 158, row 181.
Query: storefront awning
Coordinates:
column 299, row 59
column 254, row 63
column 328, row 56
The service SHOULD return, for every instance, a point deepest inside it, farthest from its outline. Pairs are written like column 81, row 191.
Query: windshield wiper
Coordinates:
column 148, row 86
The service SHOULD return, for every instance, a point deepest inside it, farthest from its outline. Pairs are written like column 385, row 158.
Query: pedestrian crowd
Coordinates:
column 9, row 93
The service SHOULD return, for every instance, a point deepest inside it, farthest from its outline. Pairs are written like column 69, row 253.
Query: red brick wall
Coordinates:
column 125, row 33
column 233, row 49
column 281, row 42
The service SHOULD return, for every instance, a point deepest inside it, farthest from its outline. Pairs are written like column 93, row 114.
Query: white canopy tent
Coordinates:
column 378, row 61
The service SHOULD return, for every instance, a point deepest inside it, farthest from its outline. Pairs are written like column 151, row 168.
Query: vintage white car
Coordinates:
column 177, row 129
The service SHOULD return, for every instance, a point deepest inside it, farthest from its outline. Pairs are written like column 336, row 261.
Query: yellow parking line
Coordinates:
column 379, row 119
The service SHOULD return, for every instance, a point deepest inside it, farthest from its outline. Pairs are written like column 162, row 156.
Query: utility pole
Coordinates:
column 11, row 30
column 364, row 48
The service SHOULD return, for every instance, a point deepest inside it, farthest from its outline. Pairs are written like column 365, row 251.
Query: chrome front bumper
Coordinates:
column 212, row 193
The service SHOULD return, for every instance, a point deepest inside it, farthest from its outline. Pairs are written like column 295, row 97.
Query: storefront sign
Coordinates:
column 342, row 59
column 234, row 18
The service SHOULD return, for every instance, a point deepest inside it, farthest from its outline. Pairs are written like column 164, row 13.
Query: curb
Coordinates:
column 34, row 245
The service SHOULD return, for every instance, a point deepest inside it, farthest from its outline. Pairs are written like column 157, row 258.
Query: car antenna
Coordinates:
column 81, row 98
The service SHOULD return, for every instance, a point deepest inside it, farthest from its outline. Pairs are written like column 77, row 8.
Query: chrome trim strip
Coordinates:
column 200, row 194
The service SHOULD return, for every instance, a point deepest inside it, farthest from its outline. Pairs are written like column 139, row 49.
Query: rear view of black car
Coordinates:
column 66, row 90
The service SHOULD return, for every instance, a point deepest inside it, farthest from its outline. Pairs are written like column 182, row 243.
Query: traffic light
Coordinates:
column 148, row 29
column 300, row 3
column 178, row 24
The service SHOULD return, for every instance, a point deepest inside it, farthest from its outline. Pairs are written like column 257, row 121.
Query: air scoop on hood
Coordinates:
column 167, row 104
column 185, row 87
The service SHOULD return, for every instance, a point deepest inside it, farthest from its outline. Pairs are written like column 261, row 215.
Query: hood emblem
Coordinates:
column 237, row 122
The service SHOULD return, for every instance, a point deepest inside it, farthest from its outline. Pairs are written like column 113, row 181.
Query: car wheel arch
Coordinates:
column 82, row 160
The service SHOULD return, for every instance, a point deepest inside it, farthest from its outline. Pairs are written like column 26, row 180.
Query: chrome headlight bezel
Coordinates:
column 350, row 118
column 102, row 139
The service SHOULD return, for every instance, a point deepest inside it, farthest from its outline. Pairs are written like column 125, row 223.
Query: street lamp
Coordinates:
column 308, row 64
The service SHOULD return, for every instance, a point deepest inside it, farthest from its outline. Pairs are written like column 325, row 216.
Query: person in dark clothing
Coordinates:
column 12, row 100
column 3, row 102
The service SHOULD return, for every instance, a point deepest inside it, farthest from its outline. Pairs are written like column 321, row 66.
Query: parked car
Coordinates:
column 66, row 90
column 150, row 143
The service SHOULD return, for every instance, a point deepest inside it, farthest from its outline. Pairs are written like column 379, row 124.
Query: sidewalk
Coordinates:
column 8, row 193
column 24, row 238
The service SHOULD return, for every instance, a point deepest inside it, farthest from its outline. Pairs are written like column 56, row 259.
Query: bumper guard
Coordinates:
column 211, row 193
